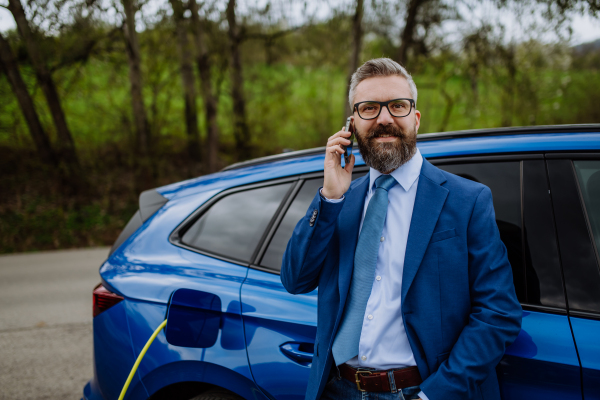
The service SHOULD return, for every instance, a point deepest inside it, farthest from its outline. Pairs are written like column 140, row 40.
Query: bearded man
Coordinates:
column 416, row 297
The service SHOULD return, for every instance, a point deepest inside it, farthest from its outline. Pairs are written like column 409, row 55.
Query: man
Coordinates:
column 416, row 298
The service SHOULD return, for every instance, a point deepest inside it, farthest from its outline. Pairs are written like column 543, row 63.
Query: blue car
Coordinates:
column 208, row 252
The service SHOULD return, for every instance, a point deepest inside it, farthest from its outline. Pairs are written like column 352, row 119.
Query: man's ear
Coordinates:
column 417, row 119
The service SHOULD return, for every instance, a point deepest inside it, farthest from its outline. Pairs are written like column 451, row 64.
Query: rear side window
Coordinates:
column 234, row 225
column 504, row 180
column 588, row 174
column 274, row 254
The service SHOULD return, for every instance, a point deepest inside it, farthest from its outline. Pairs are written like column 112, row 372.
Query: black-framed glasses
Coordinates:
column 372, row 109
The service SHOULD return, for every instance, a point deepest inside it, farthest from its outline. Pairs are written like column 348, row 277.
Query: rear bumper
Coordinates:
column 90, row 394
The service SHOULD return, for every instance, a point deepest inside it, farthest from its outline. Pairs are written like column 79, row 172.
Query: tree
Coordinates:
column 408, row 33
column 210, row 102
column 44, row 77
column 561, row 7
column 241, row 131
column 11, row 69
column 142, row 128
column 357, row 34
column 477, row 50
column 187, row 79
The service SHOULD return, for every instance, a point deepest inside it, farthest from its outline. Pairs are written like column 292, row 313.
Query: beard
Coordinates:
column 387, row 156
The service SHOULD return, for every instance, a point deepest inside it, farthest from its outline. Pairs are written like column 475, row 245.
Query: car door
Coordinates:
column 281, row 328
column 575, row 182
column 542, row 362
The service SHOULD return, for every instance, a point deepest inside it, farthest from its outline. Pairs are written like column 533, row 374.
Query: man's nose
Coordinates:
column 385, row 118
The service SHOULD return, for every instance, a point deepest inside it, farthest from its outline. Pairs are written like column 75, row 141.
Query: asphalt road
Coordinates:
column 46, row 323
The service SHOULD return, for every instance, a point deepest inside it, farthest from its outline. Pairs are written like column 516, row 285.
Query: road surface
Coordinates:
column 46, row 323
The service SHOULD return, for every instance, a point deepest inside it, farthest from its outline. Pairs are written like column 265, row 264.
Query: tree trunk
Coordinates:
column 408, row 33
column 241, row 132
column 508, row 54
column 210, row 102
column 41, row 140
column 142, row 128
column 188, row 81
column 447, row 110
column 357, row 35
column 65, row 140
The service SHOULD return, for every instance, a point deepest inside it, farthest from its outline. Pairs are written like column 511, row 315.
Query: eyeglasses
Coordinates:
column 396, row 108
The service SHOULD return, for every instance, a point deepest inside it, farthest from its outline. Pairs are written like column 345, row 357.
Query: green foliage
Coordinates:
column 295, row 87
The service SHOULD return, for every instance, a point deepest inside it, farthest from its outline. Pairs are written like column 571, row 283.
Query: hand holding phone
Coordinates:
column 337, row 179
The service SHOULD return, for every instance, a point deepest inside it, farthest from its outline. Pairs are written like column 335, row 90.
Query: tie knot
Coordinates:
column 385, row 182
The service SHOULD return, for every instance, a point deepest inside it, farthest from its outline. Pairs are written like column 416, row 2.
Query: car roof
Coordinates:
column 553, row 138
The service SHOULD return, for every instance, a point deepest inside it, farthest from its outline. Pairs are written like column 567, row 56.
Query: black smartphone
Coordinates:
column 348, row 151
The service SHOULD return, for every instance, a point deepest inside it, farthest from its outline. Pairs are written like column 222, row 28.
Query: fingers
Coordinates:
column 338, row 140
column 335, row 149
column 341, row 133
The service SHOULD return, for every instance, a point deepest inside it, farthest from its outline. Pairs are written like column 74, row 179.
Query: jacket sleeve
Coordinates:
column 495, row 318
column 307, row 248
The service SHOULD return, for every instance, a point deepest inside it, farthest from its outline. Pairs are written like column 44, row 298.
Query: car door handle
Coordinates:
column 300, row 352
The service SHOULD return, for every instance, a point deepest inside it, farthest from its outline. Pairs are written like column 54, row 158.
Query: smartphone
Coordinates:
column 348, row 149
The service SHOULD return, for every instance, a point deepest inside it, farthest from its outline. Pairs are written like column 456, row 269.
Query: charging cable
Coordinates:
column 139, row 359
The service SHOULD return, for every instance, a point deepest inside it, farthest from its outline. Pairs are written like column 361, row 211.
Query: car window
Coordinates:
column 504, row 180
column 274, row 254
column 588, row 174
column 234, row 225
column 578, row 257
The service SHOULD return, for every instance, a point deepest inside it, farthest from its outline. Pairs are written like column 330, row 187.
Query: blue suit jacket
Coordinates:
column 458, row 300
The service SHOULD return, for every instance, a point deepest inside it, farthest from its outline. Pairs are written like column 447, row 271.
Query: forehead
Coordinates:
column 382, row 88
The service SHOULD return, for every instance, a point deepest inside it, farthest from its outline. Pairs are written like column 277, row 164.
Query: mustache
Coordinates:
column 385, row 130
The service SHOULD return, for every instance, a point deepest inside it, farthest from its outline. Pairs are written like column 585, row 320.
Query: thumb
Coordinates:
column 350, row 166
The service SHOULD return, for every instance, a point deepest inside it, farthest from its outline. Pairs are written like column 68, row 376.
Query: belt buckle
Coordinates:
column 357, row 376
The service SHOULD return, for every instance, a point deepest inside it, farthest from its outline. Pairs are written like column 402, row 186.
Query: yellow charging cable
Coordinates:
column 139, row 359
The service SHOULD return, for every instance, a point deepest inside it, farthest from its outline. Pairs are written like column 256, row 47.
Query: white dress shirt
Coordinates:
column 383, row 342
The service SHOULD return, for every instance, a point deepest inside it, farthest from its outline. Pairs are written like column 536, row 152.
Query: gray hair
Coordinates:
column 380, row 67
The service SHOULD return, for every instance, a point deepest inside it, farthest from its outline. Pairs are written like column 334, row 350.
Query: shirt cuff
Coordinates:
column 422, row 396
column 331, row 201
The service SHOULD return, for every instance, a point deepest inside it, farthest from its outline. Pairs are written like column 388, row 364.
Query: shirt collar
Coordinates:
column 405, row 175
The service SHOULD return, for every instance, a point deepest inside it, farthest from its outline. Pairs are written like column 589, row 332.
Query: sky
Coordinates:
column 584, row 28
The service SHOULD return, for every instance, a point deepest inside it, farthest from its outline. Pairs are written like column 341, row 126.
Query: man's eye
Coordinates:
column 369, row 108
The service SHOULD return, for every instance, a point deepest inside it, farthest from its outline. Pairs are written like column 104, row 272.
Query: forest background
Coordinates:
column 102, row 99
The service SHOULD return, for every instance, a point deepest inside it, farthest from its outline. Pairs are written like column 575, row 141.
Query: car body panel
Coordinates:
column 165, row 364
column 273, row 318
column 542, row 362
column 587, row 337
column 112, row 341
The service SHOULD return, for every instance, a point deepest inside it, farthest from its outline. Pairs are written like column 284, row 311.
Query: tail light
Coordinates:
column 104, row 299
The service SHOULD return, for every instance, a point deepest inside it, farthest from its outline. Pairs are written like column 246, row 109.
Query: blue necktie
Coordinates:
column 345, row 344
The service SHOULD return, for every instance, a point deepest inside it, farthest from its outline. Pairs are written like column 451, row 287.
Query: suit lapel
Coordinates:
column 429, row 201
column 349, row 223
